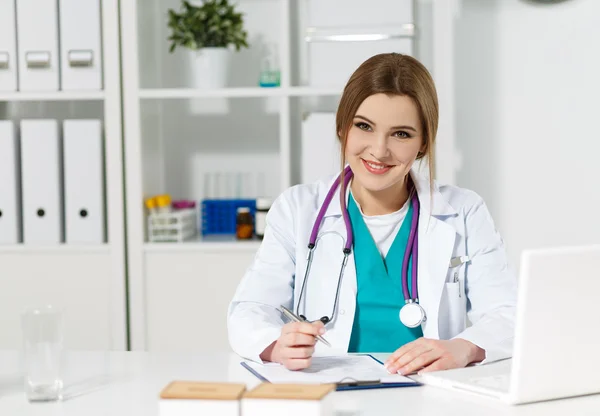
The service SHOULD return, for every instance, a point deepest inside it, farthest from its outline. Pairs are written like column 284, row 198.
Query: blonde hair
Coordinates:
column 391, row 74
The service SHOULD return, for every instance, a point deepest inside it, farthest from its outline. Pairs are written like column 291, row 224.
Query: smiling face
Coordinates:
column 383, row 142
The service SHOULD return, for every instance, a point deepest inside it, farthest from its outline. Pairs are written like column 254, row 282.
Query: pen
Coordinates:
column 292, row 316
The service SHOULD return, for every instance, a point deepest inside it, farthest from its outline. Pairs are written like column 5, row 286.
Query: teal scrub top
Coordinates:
column 377, row 326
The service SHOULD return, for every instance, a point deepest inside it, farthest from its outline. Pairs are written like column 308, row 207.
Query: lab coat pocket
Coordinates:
column 457, row 308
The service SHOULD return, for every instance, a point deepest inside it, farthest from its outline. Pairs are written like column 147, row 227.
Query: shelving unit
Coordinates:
column 179, row 93
column 175, row 93
column 52, row 96
column 204, row 244
column 64, row 249
column 88, row 281
column 176, row 134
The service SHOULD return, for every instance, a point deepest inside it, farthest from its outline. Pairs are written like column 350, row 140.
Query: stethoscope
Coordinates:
column 411, row 314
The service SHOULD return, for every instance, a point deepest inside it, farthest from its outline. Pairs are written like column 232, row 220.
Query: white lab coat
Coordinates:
column 475, row 301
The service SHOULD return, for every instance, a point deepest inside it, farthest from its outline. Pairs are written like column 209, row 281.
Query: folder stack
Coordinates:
column 50, row 45
column 52, row 187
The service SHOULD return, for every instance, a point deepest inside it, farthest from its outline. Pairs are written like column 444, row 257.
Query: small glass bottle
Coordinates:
column 244, row 224
column 163, row 206
column 262, row 208
column 163, row 203
column 270, row 75
column 151, row 205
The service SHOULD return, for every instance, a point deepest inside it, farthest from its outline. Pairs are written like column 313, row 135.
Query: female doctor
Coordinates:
column 379, row 258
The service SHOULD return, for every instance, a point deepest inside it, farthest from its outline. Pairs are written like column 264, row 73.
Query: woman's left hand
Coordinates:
column 433, row 355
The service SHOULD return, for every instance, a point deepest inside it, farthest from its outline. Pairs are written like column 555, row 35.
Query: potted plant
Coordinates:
column 209, row 29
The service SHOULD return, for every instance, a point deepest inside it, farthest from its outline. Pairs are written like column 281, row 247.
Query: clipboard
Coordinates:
column 351, row 384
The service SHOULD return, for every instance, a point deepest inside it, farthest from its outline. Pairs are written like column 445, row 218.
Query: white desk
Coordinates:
column 128, row 384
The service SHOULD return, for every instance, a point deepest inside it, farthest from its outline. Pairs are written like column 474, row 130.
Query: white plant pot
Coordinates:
column 209, row 68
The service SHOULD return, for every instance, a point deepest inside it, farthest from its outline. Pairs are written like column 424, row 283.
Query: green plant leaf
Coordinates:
column 214, row 23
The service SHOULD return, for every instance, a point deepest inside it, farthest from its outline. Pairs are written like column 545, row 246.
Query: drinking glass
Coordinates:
column 43, row 348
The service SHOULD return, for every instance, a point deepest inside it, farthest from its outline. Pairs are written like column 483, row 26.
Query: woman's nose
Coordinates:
column 379, row 148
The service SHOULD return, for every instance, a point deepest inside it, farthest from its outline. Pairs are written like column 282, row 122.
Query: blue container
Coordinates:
column 219, row 215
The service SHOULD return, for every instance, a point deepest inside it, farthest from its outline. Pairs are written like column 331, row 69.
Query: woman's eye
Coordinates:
column 402, row 134
column 363, row 126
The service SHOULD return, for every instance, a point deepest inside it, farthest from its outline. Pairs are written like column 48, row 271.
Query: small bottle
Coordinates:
column 270, row 75
column 183, row 204
column 163, row 206
column 163, row 203
column 244, row 224
column 151, row 205
column 262, row 208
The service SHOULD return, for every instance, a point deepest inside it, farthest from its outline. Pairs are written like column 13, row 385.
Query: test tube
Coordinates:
column 216, row 185
column 238, row 185
column 150, row 204
column 163, row 206
column 207, row 192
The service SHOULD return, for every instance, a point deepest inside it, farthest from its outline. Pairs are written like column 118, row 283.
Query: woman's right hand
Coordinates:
column 296, row 345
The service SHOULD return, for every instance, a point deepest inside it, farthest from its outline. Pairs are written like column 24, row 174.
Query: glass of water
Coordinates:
column 43, row 347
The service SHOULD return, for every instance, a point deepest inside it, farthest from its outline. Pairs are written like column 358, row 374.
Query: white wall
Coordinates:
column 527, row 89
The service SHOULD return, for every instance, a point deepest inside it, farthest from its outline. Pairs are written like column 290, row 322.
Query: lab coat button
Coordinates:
column 342, row 311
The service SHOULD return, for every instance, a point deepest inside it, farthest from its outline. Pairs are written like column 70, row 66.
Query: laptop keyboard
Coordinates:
column 496, row 382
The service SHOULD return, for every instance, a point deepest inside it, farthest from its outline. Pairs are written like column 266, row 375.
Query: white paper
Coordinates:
column 338, row 369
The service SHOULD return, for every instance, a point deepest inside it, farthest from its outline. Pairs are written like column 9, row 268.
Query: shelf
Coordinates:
column 178, row 93
column 55, row 249
column 170, row 93
column 216, row 243
column 313, row 91
column 53, row 96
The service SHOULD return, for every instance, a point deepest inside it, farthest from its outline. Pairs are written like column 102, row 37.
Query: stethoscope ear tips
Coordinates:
column 325, row 320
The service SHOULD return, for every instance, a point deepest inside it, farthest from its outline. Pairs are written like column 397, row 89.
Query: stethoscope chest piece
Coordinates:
column 412, row 315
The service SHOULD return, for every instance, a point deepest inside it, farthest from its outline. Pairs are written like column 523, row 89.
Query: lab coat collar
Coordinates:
column 431, row 201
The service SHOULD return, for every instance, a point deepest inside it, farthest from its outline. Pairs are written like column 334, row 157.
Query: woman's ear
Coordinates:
column 422, row 152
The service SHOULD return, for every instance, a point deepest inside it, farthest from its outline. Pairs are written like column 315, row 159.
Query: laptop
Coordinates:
column 556, row 351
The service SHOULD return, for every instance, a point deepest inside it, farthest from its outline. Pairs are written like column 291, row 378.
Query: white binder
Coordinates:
column 321, row 150
column 41, row 182
column 37, row 31
column 84, row 182
column 10, row 216
column 80, row 50
column 8, row 46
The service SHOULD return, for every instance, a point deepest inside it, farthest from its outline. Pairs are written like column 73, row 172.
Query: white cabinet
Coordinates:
column 89, row 281
column 74, row 280
column 187, row 295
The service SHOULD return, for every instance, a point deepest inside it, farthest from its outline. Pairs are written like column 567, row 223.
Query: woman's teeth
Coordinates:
column 376, row 166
